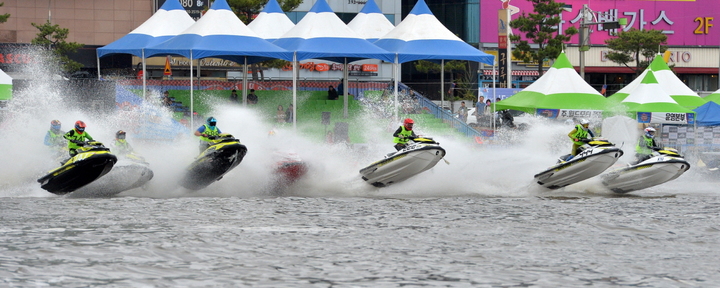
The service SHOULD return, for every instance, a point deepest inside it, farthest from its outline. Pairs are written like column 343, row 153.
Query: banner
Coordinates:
column 564, row 114
column 665, row 118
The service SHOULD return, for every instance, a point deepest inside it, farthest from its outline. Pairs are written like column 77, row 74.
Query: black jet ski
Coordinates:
column 224, row 154
column 92, row 161
column 130, row 172
column 664, row 165
column 419, row 155
column 597, row 155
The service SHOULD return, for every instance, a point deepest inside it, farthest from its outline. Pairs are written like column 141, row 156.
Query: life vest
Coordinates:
column 643, row 146
column 73, row 135
column 123, row 146
column 580, row 133
column 404, row 132
column 210, row 131
column 55, row 138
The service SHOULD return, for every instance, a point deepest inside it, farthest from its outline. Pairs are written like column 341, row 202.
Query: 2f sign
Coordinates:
column 703, row 25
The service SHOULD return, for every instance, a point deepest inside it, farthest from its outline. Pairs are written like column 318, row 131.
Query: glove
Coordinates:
column 575, row 139
column 204, row 135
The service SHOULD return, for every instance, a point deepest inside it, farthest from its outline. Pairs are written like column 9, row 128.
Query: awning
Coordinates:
column 515, row 72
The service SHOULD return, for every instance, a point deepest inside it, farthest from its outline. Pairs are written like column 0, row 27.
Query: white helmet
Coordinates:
column 584, row 123
column 650, row 132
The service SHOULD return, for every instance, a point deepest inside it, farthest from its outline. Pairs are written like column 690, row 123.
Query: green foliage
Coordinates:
column 3, row 17
column 53, row 38
column 631, row 44
column 540, row 28
column 246, row 9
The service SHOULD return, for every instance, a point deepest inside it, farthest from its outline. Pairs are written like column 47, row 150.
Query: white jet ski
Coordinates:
column 420, row 154
column 664, row 165
column 130, row 172
column 597, row 155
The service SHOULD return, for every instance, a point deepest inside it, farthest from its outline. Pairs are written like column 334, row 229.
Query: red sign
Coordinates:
column 502, row 42
column 369, row 67
column 322, row 67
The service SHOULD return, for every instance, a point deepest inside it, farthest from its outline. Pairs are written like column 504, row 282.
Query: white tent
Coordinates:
column 5, row 89
column 370, row 23
column 272, row 22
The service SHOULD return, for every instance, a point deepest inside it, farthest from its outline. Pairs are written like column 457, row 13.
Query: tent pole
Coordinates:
column 494, row 97
column 442, row 85
column 192, row 108
column 345, row 85
column 198, row 75
column 294, row 88
column 395, row 87
column 245, row 82
column 144, row 75
column 98, row 63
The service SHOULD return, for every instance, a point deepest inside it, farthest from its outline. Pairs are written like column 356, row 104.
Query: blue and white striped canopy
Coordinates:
column 322, row 35
column 272, row 22
column 421, row 36
column 219, row 34
column 370, row 23
column 169, row 21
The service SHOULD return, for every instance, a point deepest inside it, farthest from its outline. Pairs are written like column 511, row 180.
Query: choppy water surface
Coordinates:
column 656, row 240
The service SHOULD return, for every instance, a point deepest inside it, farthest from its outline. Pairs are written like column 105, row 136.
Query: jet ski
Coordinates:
column 420, row 154
column 130, row 172
column 596, row 155
column 288, row 169
column 664, row 165
column 224, row 154
column 92, row 161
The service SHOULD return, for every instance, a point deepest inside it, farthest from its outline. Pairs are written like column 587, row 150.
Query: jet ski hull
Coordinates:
column 124, row 176
column 647, row 174
column 79, row 171
column 579, row 168
column 213, row 164
column 402, row 165
column 290, row 171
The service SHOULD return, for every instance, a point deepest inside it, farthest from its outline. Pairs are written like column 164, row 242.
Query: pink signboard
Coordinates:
column 685, row 22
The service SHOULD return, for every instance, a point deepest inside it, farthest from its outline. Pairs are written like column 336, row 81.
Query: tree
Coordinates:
column 246, row 11
column 541, row 28
column 3, row 17
column 52, row 37
column 465, row 80
column 630, row 45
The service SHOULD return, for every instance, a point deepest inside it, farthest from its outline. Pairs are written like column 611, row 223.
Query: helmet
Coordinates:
column 408, row 123
column 211, row 121
column 55, row 124
column 585, row 123
column 80, row 126
column 650, row 132
column 120, row 134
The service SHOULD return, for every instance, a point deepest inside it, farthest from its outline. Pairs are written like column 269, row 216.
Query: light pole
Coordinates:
column 585, row 21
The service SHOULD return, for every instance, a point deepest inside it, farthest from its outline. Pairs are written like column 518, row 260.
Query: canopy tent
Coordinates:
column 5, row 86
column 714, row 97
column 370, row 23
column 650, row 103
column 272, row 22
column 220, row 34
column 167, row 22
column 421, row 36
column 322, row 35
column 669, row 82
column 708, row 114
column 561, row 87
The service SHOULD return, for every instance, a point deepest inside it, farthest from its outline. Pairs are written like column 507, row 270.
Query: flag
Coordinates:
column 603, row 90
column 168, row 70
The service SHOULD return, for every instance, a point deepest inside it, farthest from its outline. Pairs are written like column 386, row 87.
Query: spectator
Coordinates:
column 167, row 102
column 289, row 114
column 280, row 114
column 252, row 98
column 488, row 107
column 332, row 94
column 341, row 87
column 479, row 108
column 329, row 137
column 463, row 112
column 233, row 96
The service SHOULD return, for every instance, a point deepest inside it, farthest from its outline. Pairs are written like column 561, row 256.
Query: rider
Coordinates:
column 76, row 137
column 646, row 145
column 121, row 145
column 53, row 137
column 580, row 135
column 209, row 129
column 403, row 134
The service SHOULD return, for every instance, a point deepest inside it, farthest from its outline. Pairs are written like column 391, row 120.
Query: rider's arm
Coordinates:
column 572, row 134
column 69, row 134
column 48, row 141
column 200, row 131
column 397, row 132
column 591, row 133
column 88, row 137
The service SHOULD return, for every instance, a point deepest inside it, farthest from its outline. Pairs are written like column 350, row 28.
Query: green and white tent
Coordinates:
column 670, row 83
column 559, row 93
column 715, row 97
column 5, row 89
column 649, row 102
